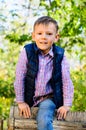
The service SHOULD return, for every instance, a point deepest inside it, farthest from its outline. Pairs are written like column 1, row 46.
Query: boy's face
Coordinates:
column 45, row 36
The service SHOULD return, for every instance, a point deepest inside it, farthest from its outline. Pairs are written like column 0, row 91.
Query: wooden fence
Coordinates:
column 1, row 124
column 73, row 121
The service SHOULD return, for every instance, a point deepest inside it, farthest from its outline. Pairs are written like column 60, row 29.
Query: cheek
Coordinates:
column 36, row 38
column 52, row 38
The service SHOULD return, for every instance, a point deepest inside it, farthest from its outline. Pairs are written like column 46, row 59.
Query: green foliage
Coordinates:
column 6, row 88
column 79, row 102
column 5, row 104
column 17, row 38
column 7, row 69
column 7, row 73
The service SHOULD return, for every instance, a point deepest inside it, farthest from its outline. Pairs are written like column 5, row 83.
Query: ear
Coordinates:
column 57, row 37
column 33, row 36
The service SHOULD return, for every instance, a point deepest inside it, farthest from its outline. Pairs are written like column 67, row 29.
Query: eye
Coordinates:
column 39, row 33
column 49, row 33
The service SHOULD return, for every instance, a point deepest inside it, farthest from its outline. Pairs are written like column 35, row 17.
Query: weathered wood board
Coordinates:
column 1, row 124
column 73, row 121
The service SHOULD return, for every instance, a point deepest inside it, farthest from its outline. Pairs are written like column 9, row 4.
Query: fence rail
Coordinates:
column 1, row 124
column 73, row 121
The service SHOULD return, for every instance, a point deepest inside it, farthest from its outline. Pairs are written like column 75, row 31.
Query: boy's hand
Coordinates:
column 62, row 111
column 24, row 110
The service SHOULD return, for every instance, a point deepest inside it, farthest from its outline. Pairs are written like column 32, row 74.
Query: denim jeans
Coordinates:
column 45, row 115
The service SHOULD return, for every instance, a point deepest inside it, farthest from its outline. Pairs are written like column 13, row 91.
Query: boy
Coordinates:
column 42, row 76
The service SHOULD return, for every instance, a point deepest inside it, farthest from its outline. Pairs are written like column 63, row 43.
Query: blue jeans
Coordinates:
column 45, row 115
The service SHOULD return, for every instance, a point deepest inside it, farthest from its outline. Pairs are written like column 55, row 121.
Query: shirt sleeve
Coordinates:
column 68, row 88
column 21, row 69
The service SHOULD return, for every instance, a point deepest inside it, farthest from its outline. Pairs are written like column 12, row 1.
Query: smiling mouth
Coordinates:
column 43, row 42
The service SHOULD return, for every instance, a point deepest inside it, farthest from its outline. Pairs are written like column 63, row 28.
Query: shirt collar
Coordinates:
column 49, row 53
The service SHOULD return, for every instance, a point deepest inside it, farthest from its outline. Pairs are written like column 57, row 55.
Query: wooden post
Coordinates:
column 73, row 121
column 1, row 124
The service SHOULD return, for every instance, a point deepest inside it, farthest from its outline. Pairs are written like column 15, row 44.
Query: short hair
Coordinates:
column 46, row 20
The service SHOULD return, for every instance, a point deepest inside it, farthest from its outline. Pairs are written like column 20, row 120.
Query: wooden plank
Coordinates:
column 54, row 129
column 76, row 116
column 10, row 128
column 25, row 129
column 36, row 129
column 27, row 123
column 11, row 115
column 82, row 129
column 71, row 116
column 70, row 125
column 73, row 121
column 61, row 125
column 10, row 124
column 67, row 125
column 31, row 123
column 58, row 125
column 1, row 124
column 11, row 119
column 33, row 112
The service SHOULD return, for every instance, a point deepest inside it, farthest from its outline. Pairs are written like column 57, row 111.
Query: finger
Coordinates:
column 61, row 115
column 20, row 111
column 65, row 113
column 58, row 110
column 57, row 115
column 27, row 113
column 24, row 114
column 64, row 116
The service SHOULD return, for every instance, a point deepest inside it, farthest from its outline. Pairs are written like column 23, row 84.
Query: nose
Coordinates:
column 44, row 36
